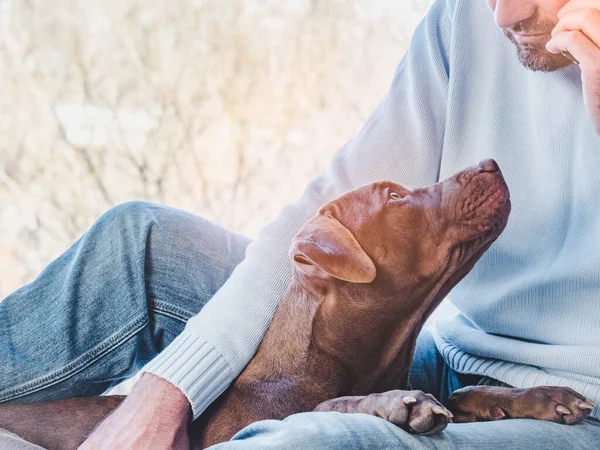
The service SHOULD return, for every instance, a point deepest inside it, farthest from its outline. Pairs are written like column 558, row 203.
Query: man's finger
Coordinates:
column 576, row 43
column 585, row 20
column 578, row 4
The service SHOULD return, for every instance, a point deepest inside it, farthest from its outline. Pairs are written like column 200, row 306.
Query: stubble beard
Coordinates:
column 534, row 56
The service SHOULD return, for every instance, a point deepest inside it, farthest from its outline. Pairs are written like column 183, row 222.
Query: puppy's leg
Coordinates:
column 57, row 425
column 414, row 411
column 553, row 403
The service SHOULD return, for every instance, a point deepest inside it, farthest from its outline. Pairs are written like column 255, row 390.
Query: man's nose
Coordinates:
column 508, row 13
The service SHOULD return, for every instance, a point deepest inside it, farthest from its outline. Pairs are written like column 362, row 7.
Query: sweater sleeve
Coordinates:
column 401, row 141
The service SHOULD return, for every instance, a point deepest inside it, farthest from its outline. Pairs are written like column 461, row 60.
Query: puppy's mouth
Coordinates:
column 485, row 207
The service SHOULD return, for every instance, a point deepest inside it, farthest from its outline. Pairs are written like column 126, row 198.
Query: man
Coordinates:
column 528, row 311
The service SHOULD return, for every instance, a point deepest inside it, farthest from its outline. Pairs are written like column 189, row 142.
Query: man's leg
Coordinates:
column 111, row 302
column 428, row 373
column 332, row 430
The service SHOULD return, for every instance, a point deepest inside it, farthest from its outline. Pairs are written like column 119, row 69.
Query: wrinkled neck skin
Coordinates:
column 325, row 341
column 373, row 341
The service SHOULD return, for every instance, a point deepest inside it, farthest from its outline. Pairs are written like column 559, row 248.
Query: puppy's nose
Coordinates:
column 488, row 165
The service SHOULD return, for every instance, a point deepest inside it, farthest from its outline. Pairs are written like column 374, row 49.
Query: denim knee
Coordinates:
column 318, row 430
column 126, row 214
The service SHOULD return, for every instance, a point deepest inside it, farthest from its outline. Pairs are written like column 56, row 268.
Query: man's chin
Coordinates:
column 535, row 56
column 538, row 59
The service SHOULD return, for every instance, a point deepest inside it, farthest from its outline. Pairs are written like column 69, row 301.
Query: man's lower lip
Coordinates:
column 522, row 38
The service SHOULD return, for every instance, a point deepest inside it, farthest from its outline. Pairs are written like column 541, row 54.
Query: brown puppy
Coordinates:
column 369, row 269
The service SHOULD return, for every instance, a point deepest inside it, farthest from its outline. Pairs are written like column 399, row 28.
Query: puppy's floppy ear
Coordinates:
column 325, row 245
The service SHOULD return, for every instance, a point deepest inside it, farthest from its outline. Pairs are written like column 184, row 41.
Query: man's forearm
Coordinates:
column 155, row 415
column 174, row 402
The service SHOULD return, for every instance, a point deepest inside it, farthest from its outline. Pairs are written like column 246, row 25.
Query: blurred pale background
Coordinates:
column 225, row 108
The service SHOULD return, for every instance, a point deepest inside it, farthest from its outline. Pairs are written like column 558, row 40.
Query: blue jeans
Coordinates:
column 123, row 291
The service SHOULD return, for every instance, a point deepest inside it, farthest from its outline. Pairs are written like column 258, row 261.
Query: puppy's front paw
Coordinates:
column 553, row 403
column 414, row 411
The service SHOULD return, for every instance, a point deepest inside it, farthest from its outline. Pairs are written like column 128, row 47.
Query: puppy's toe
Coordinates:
column 400, row 414
column 573, row 410
column 560, row 404
column 422, row 420
column 428, row 416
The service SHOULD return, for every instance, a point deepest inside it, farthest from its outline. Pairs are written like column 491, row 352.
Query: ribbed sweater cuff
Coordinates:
column 195, row 367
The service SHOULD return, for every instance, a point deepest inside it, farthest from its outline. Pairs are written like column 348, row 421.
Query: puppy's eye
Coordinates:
column 395, row 196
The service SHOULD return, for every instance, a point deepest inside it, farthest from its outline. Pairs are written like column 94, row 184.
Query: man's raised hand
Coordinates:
column 578, row 32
